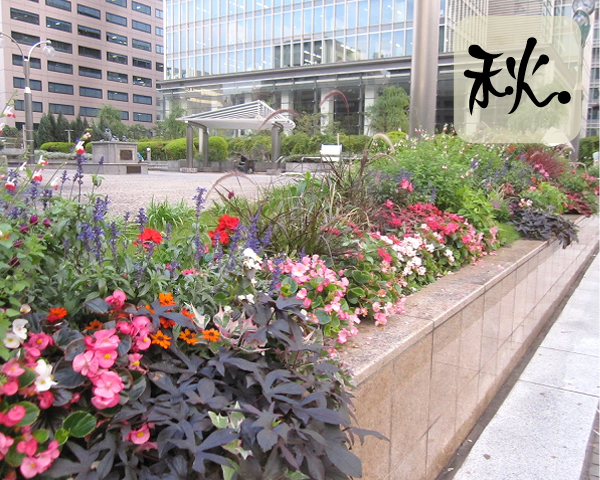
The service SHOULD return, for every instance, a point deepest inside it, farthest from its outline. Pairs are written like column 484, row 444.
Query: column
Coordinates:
column 276, row 142
column 203, row 145
column 189, row 144
column 370, row 94
column 327, row 109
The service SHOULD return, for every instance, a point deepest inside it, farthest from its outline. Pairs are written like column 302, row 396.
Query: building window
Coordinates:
column 142, row 81
column 141, row 63
column 116, row 58
column 145, row 99
column 142, row 8
column 90, row 72
column 90, row 52
column 88, row 111
column 158, row 13
column 63, row 47
column 160, row 49
column 57, row 24
column 142, row 117
column 89, row 32
column 120, row 3
column 118, row 96
column 62, row 4
column 159, row 32
column 124, row 115
column 20, row 83
column 141, row 26
column 24, row 38
column 88, row 11
column 135, row 43
column 33, row 62
column 160, row 67
column 116, row 38
column 90, row 92
column 60, row 88
column 64, row 109
column 118, row 19
column 60, row 67
column 20, row 106
column 117, row 77
column 24, row 16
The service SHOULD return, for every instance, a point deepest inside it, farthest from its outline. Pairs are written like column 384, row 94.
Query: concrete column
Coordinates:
column 275, row 141
column 424, row 66
column 327, row 109
column 189, row 143
column 286, row 100
column 370, row 95
column 203, row 133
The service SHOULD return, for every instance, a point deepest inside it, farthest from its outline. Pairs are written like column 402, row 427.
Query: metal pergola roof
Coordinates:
column 248, row 116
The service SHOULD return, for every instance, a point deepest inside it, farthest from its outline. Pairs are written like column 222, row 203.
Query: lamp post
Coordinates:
column 49, row 52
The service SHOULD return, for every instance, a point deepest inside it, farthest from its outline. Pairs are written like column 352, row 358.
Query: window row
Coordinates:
column 65, row 47
column 56, row 108
column 54, row 87
column 138, row 7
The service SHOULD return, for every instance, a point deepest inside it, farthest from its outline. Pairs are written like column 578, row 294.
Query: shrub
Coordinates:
column 157, row 149
column 354, row 144
column 396, row 137
column 587, row 146
column 63, row 147
column 217, row 149
column 176, row 149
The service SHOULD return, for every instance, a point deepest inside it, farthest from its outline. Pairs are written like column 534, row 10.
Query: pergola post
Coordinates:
column 189, row 144
column 204, row 145
column 276, row 130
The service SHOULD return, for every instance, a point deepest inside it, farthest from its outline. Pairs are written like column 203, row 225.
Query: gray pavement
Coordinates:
column 132, row 192
column 546, row 427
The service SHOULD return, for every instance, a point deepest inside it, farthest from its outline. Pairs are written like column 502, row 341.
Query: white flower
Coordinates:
column 11, row 340
column 227, row 309
column 249, row 298
column 44, row 379
column 25, row 308
column 22, row 167
column 19, row 329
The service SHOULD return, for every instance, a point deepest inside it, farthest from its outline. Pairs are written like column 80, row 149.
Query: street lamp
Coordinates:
column 49, row 52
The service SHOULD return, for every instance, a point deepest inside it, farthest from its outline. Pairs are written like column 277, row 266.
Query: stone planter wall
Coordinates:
column 426, row 377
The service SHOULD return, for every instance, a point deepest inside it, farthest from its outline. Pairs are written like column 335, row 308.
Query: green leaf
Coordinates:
column 360, row 277
column 27, row 378
column 323, row 316
column 31, row 414
column 61, row 436
column 79, row 424
column 13, row 458
column 291, row 285
column 220, row 298
column 41, row 435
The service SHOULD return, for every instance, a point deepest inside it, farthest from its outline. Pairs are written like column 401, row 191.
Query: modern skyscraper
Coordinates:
column 107, row 52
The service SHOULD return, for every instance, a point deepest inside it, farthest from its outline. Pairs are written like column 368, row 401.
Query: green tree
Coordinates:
column 78, row 126
column 138, row 132
column 390, row 110
column 109, row 117
column 170, row 128
column 62, row 125
column 46, row 130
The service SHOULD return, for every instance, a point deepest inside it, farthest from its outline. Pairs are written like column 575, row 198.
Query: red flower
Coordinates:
column 225, row 227
column 149, row 235
column 384, row 255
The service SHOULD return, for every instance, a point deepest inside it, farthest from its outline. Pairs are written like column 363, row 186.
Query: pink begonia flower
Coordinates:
column 14, row 415
column 107, row 384
column 343, row 336
column 86, row 363
column 5, row 444
column 12, row 368
column 28, row 446
column 106, row 340
column 106, row 359
column 380, row 318
column 117, row 299
column 46, row 399
column 101, row 403
column 139, row 436
column 10, row 387
column 140, row 322
column 125, row 327
column 143, row 342
column 301, row 294
column 307, row 302
column 31, row 467
column 39, row 341
column 388, row 204
column 134, row 362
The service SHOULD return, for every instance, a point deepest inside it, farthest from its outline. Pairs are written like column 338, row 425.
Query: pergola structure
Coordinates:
column 248, row 116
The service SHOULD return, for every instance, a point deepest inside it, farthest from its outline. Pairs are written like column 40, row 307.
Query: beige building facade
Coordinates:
column 107, row 52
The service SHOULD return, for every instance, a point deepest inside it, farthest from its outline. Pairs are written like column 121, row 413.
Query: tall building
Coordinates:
column 593, row 121
column 292, row 53
column 107, row 52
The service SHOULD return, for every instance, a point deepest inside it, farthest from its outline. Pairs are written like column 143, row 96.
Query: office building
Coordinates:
column 107, row 52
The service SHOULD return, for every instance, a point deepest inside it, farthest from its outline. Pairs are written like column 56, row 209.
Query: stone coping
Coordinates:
column 374, row 347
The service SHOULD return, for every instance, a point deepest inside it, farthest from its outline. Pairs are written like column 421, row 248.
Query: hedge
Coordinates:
column 587, row 146
column 62, row 147
column 157, row 149
column 217, row 149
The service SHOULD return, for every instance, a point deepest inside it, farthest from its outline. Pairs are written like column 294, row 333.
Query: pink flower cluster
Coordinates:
column 35, row 463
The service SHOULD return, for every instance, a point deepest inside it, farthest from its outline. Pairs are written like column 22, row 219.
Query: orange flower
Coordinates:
column 166, row 322
column 166, row 298
column 147, row 307
column 95, row 324
column 211, row 334
column 159, row 338
column 188, row 336
column 187, row 313
column 56, row 313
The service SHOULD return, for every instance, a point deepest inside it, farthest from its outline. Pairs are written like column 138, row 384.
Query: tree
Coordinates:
column 46, row 130
column 109, row 117
column 78, row 126
column 390, row 110
column 60, row 132
column 138, row 132
column 170, row 128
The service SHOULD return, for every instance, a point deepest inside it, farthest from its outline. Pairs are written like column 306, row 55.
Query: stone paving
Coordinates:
column 132, row 192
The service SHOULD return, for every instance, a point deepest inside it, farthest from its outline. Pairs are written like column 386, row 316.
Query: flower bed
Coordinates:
column 209, row 348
